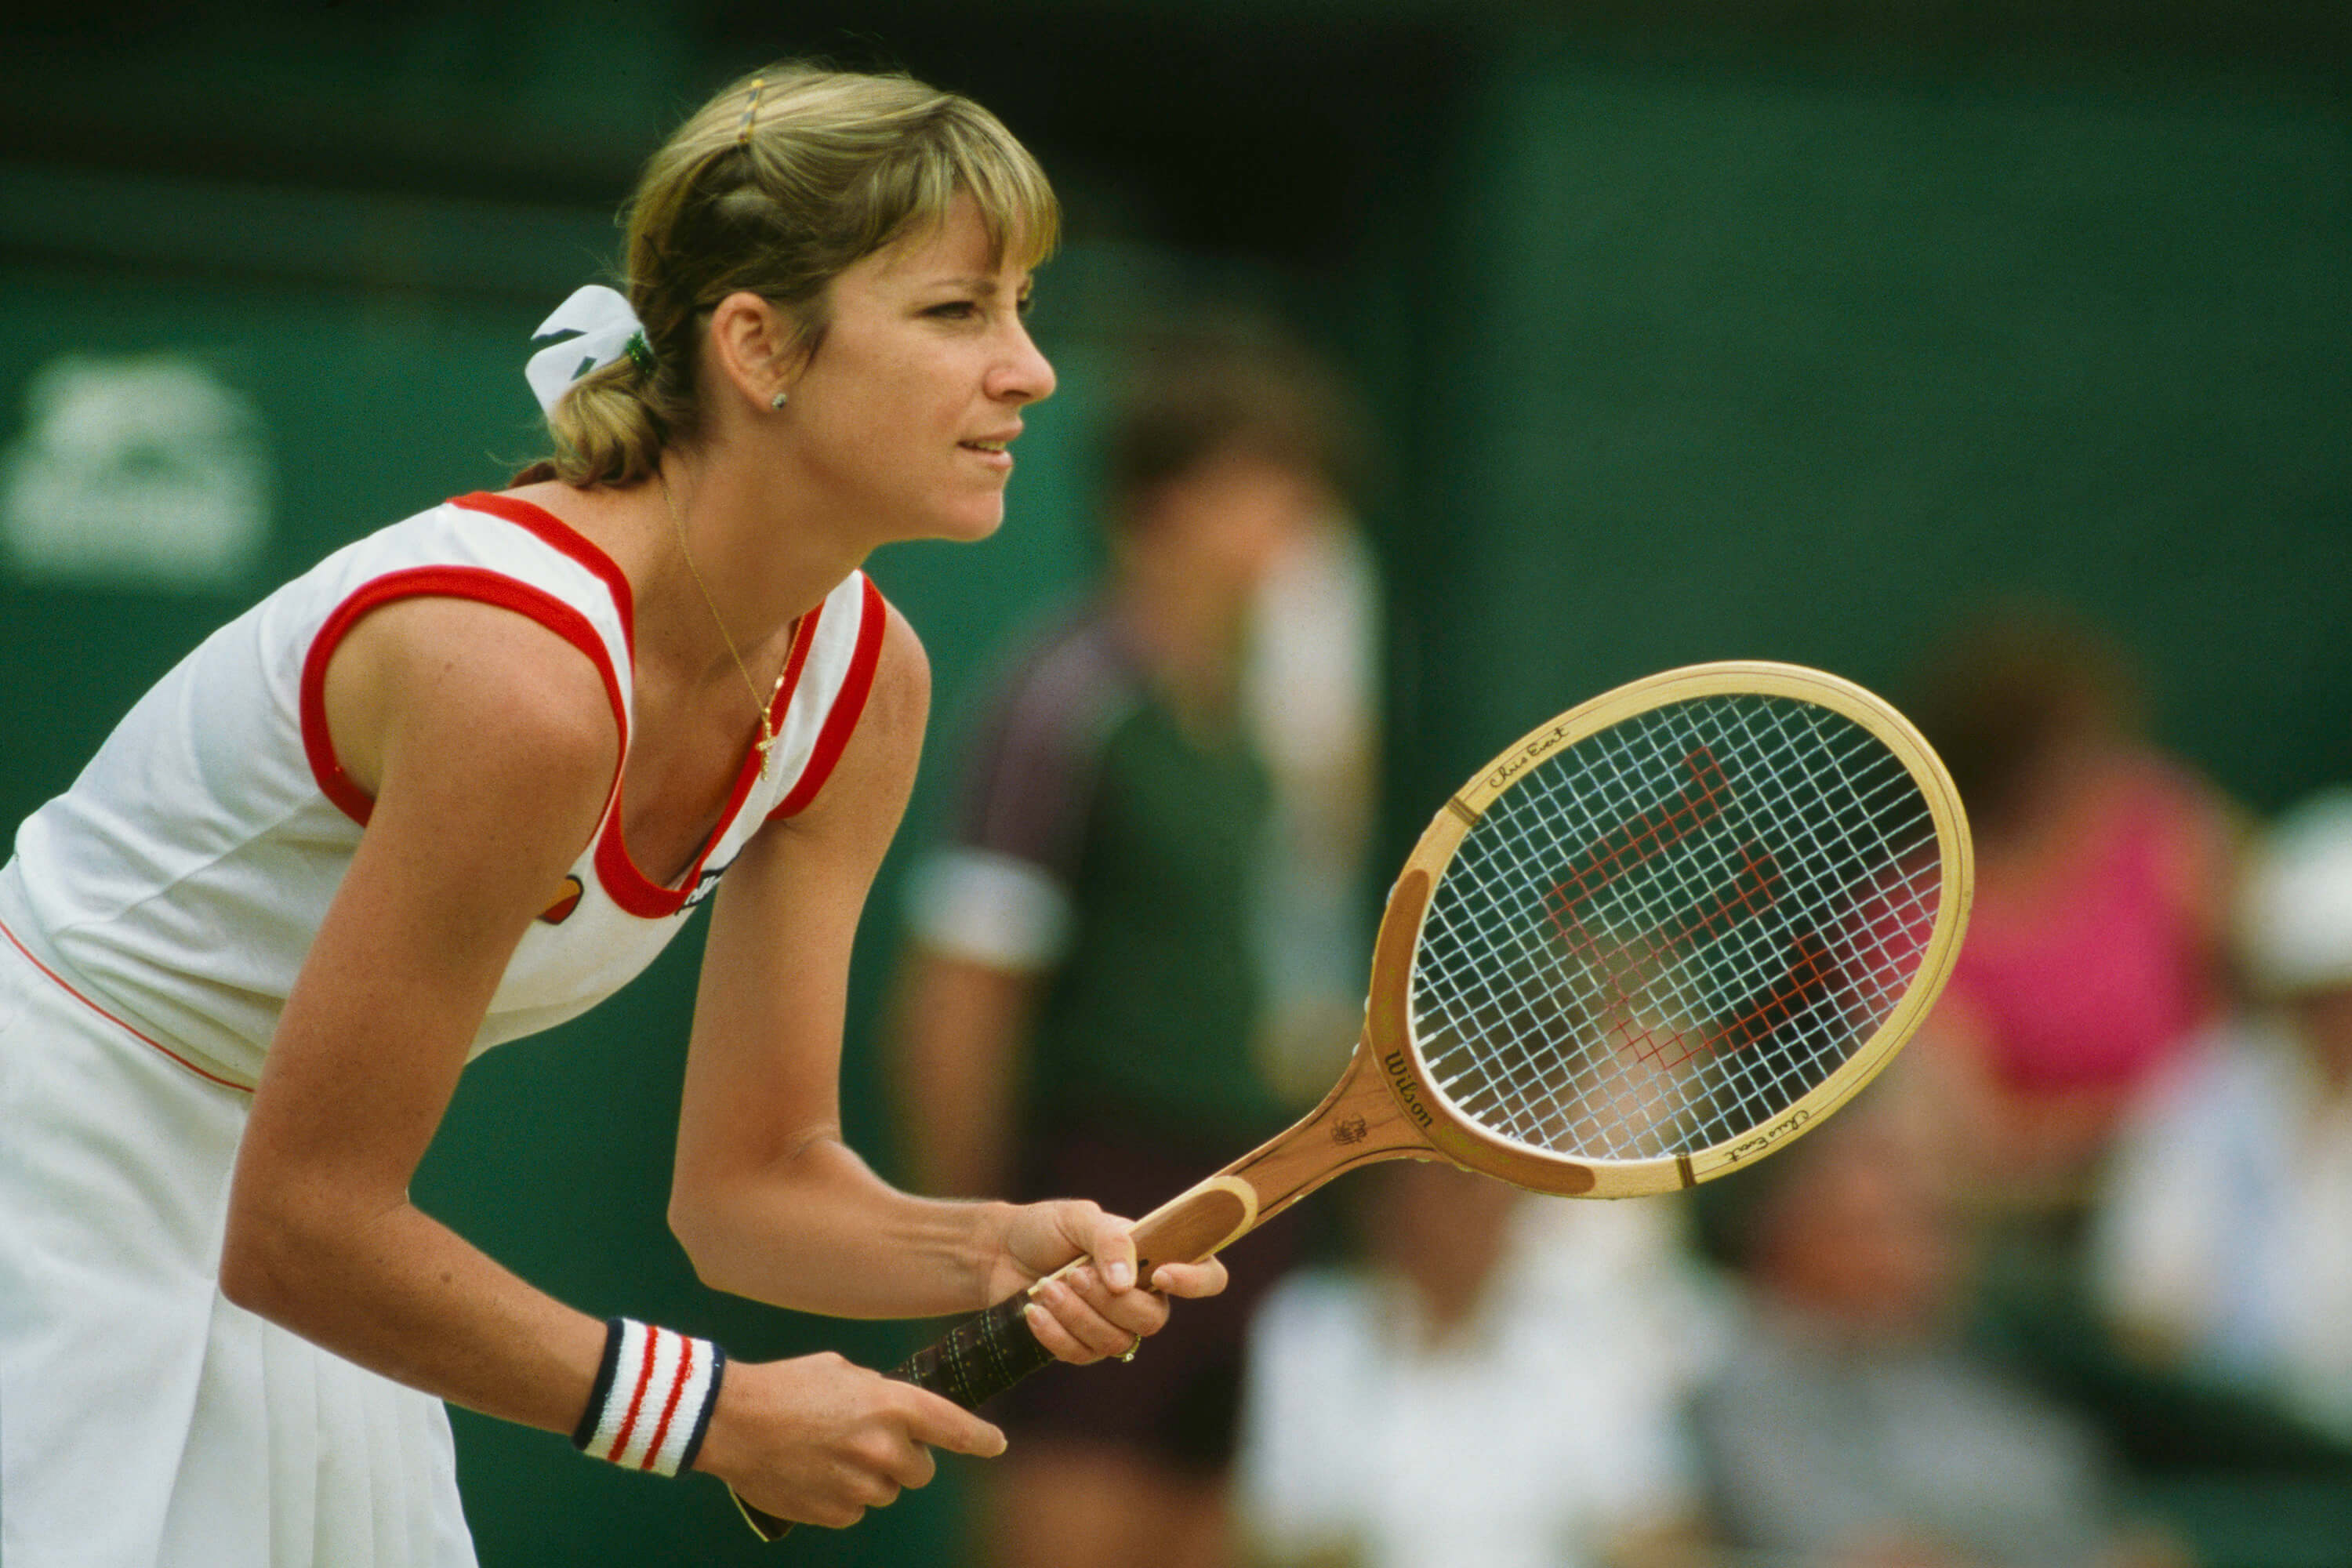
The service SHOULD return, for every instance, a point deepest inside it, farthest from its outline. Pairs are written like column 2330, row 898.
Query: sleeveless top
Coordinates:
column 178, row 884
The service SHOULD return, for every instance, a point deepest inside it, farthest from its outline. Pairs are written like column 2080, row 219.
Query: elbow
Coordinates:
column 259, row 1261
column 694, row 1221
column 713, row 1272
column 729, row 1232
column 748, row 1226
column 244, row 1280
column 286, row 1260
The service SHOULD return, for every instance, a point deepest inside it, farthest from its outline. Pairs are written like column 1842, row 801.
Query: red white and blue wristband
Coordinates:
column 655, row 1391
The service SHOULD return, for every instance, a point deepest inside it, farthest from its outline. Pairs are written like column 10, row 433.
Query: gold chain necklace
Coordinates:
column 767, row 725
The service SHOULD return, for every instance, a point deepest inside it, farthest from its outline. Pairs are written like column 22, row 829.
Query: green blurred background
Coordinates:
column 1689, row 330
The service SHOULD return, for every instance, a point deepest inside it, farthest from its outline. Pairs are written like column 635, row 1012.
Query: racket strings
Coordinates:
column 1666, row 933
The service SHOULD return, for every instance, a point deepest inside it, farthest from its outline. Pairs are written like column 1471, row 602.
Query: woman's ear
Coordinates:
column 754, row 349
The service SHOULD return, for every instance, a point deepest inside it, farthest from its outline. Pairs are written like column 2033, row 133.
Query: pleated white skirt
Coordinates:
column 145, row 1420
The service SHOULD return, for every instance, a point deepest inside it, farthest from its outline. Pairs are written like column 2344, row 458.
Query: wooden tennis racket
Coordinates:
column 1658, row 938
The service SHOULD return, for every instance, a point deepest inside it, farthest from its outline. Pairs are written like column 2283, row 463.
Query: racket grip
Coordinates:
column 981, row 1357
column 990, row 1352
column 972, row 1362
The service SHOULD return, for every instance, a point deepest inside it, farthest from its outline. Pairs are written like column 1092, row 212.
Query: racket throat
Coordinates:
column 1359, row 1122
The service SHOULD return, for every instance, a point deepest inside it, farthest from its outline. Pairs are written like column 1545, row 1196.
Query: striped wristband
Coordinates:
column 655, row 1391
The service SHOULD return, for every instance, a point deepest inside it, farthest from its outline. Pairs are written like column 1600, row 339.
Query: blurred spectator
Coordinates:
column 2222, row 1243
column 2102, row 869
column 1851, row 1426
column 1089, row 1004
column 1498, row 1385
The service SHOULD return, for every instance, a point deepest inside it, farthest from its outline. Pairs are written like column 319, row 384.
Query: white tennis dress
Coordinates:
column 151, row 923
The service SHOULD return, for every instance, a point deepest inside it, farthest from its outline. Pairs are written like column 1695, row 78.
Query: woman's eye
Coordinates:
column 953, row 310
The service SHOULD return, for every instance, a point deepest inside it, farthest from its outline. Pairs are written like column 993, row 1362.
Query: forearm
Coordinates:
column 813, row 1438
column 814, row 1229
column 397, row 1293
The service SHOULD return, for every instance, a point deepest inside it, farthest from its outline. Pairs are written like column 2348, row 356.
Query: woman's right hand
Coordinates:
column 820, row 1440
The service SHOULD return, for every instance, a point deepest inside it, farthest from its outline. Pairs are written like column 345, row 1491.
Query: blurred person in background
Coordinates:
column 1851, row 1426
column 1090, row 1002
column 2221, row 1244
column 1498, row 1382
column 2093, row 949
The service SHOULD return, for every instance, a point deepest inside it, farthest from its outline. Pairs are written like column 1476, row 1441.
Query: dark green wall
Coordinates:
column 1741, row 360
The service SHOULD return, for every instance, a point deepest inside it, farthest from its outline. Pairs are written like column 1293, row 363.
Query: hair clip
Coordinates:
column 743, row 126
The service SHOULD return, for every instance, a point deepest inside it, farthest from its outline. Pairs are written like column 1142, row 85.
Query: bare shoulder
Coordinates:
column 471, row 682
column 889, row 742
column 902, row 677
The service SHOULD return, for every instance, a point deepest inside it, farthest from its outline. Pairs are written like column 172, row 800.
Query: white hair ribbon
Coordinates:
column 604, row 324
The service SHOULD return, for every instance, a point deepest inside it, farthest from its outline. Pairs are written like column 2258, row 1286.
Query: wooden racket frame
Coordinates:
column 1387, row 1105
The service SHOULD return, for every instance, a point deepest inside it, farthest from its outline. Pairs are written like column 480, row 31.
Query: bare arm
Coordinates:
column 768, row 1200
column 488, row 748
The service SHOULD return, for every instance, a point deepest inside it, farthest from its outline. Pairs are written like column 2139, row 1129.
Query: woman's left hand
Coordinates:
column 1098, row 1309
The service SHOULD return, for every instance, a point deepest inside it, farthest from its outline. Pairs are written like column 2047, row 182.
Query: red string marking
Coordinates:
column 1623, row 967
column 1642, row 838
column 1789, row 995
column 1755, row 887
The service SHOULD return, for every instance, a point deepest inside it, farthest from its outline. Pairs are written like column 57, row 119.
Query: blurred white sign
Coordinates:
column 146, row 471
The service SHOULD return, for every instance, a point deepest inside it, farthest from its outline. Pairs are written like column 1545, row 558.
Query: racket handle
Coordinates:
column 990, row 1352
column 977, row 1360
column 981, row 1357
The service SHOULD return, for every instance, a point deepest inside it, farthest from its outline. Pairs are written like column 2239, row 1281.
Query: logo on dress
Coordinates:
column 703, row 885
column 556, row 913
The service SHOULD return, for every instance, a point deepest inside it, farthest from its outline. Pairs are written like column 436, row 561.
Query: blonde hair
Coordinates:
column 775, row 187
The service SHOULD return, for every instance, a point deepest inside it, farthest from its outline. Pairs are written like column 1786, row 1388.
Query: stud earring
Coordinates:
column 779, row 400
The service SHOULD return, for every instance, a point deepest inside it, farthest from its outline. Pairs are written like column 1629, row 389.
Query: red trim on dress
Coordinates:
column 848, row 707
column 67, row 986
column 788, row 685
column 557, row 535
column 474, row 583
column 639, row 894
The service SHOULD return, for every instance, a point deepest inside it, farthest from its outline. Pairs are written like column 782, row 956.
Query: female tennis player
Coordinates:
column 460, row 782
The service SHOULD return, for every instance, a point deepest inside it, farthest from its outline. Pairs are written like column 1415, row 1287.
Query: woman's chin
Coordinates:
column 971, row 527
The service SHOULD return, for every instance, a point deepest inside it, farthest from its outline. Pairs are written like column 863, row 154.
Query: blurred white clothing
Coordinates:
column 1543, row 1430
column 2225, row 1225
column 1818, row 1443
